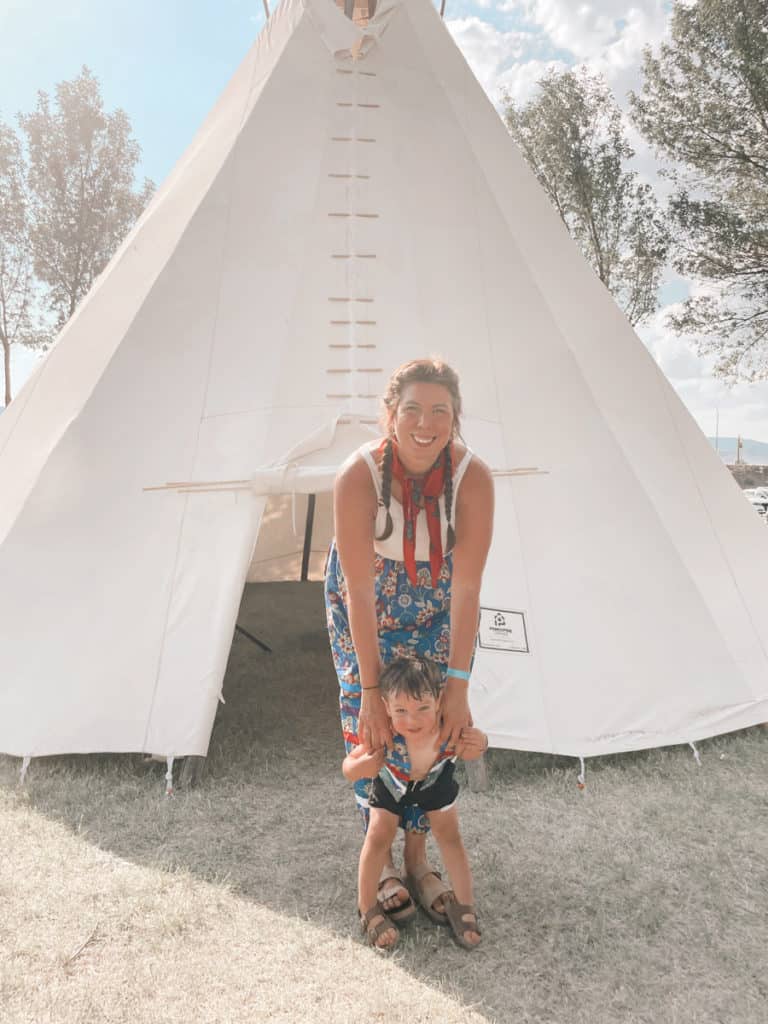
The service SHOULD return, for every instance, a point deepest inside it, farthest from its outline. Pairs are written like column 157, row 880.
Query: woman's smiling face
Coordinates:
column 423, row 423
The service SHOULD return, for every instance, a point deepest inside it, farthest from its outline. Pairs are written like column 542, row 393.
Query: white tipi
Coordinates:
column 354, row 201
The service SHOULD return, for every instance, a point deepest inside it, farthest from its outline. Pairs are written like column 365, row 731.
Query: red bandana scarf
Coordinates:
column 422, row 493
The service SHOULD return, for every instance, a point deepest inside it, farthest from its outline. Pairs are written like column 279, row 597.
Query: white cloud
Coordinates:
column 741, row 409
column 594, row 29
column 487, row 49
column 675, row 357
column 519, row 81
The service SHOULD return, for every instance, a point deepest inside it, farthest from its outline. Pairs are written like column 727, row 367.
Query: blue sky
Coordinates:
column 166, row 62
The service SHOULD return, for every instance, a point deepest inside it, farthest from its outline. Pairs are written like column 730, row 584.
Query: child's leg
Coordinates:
column 445, row 829
column 382, row 828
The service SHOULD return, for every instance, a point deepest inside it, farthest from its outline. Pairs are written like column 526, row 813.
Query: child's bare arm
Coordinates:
column 362, row 763
column 472, row 744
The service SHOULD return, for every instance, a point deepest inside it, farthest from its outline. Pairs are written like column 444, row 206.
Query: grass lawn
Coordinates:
column 643, row 898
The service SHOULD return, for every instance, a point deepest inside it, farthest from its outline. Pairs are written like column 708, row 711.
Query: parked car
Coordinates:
column 758, row 498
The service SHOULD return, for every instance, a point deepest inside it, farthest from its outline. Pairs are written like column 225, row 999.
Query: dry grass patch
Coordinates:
column 641, row 899
column 90, row 937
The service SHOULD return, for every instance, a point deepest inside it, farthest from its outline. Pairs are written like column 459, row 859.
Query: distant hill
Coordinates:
column 754, row 453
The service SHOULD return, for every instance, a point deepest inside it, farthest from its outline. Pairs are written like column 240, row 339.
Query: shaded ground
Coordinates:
column 641, row 899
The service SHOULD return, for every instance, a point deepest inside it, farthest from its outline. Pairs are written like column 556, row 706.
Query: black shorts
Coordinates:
column 436, row 797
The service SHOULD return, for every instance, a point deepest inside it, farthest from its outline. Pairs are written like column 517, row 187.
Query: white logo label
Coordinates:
column 503, row 630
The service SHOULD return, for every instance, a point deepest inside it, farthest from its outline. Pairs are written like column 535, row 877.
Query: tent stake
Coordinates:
column 308, row 538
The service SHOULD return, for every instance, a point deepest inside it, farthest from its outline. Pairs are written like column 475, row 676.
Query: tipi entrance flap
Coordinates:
column 294, row 537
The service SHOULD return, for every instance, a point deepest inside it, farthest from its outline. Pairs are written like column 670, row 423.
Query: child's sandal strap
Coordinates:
column 456, row 913
column 373, row 932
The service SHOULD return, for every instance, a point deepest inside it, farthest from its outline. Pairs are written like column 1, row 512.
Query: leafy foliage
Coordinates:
column 65, row 206
column 81, row 174
column 16, row 282
column 704, row 105
column 573, row 138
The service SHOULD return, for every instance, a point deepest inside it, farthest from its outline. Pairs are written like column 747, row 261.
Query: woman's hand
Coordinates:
column 373, row 726
column 456, row 713
column 472, row 744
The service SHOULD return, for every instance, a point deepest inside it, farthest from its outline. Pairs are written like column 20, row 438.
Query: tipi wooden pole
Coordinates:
column 442, row 8
column 477, row 775
column 308, row 538
column 266, row 9
column 192, row 771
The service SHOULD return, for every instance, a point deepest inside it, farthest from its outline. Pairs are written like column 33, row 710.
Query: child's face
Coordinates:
column 413, row 716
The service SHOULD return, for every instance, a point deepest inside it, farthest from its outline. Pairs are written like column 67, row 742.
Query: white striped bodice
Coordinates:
column 392, row 547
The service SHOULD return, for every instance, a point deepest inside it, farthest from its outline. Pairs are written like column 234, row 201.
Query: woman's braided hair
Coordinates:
column 419, row 371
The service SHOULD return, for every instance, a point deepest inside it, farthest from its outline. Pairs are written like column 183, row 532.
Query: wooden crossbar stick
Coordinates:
column 211, row 490
column 193, row 486
column 173, row 485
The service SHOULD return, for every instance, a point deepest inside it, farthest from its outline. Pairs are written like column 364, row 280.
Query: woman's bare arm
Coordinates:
column 474, row 529
column 354, row 507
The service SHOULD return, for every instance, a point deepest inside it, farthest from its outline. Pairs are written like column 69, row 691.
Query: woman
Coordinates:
column 413, row 516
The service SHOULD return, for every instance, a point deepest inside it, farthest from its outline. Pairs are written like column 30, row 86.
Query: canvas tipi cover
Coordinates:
column 353, row 201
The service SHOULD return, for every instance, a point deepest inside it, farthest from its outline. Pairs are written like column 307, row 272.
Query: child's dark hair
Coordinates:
column 412, row 676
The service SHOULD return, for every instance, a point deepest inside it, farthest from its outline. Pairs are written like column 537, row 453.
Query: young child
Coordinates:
column 415, row 770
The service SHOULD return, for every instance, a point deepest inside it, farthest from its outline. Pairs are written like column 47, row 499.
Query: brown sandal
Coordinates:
column 407, row 909
column 427, row 886
column 373, row 932
column 456, row 913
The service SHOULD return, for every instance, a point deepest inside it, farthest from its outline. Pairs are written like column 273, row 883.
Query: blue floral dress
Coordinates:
column 411, row 620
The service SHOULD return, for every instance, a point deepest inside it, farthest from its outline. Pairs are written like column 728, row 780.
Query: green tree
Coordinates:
column 704, row 105
column 83, row 202
column 572, row 136
column 17, row 308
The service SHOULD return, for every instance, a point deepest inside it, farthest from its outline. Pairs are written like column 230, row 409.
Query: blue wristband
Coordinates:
column 456, row 673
